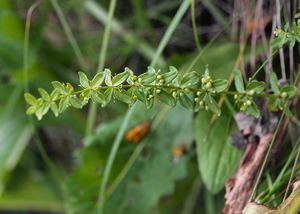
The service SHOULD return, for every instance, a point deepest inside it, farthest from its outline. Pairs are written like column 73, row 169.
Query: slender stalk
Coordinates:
column 111, row 159
column 69, row 35
column 139, row 44
column 54, row 172
column 175, row 21
column 193, row 16
column 101, row 63
column 118, row 139
column 266, row 157
column 293, row 171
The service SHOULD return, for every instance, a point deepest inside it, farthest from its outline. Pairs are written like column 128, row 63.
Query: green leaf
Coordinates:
column 59, row 87
column 150, row 103
column 256, row 86
column 54, row 95
column 146, row 183
column 31, row 110
column 171, row 75
column 54, row 108
column 122, row 96
column 288, row 112
column 217, row 158
column 274, row 83
column 213, row 106
column 97, row 80
column 186, row 101
column 189, row 79
column 219, row 85
column 97, row 97
column 41, row 111
column 147, row 77
column 63, row 104
column 15, row 135
column 166, row 98
column 75, row 102
column 120, row 78
column 108, row 95
column 44, row 94
column 253, row 110
column 238, row 81
column 107, row 77
column 291, row 91
column 83, row 80
column 30, row 99
column 140, row 95
column 69, row 88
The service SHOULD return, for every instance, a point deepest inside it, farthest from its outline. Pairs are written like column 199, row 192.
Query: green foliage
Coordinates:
column 145, row 182
column 281, row 94
column 245, row 100
column 192, row 91
column 166, row 87
column 217, row 158
column 286, row 35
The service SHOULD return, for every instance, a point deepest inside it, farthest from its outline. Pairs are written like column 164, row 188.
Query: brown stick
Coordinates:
column 239, row 187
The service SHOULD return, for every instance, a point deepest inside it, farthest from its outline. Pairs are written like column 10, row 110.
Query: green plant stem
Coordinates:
column 266, row 157
column 193, row 16
column 191, row 199
column 101, row 62
column 125, row 169
column 55, row 174
column 140, row 45
column 118, row 139
column 111, row 159
column 69, row 35
column 175, row 21
column 170, row 87
column 216, row 14
column 293, row 171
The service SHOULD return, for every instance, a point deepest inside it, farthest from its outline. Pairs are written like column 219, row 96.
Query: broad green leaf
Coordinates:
column 146, row 183
column 120, row 78
column 274, row 83
column 238, row 81
column 256, row 86
column 186, row 101
column 83, row 80
column 189, row 79
column 217, row 158
column 219, row 85
column 97, row 80
column 15, row 134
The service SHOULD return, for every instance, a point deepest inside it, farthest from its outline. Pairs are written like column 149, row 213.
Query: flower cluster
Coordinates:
column 191, row 90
